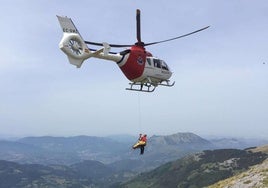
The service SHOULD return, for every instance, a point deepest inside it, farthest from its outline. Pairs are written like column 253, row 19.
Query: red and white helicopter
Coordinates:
column 145, row 71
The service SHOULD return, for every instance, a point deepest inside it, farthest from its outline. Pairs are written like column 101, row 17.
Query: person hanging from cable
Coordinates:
column 141, row 143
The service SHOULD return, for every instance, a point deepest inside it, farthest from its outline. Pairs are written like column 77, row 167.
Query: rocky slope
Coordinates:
column 198, row 170
column 255, row 177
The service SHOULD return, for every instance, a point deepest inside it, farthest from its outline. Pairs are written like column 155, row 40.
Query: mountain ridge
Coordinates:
column 180, row 138
column 255, row 176
column 49, row 150
column 198, row 170
column 194, row 170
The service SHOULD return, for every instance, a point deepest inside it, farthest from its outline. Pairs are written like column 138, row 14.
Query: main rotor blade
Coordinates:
column 112, row 45
column 138, row 25
column 147, row 44
column 141, row 43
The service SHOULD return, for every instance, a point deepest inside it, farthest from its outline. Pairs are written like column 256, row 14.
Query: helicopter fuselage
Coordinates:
column 138, row 65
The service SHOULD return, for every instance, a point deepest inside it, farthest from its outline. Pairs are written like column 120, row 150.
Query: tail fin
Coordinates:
column 72, row 44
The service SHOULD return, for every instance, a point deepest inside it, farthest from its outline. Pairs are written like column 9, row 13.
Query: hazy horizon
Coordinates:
column 15, row 137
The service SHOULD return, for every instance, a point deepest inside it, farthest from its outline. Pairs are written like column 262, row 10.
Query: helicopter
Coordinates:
column 144, row 71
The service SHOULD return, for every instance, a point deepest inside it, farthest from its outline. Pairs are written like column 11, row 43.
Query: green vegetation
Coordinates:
column 247, row 182
column 198, row 170
column 265, row 181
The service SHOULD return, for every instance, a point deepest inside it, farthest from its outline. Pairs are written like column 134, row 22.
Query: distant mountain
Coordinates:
column 237, row 143
column 92, row 169
column 73, row 144
column 65, row 150
column 198, row 170
column 115, row 150
column 15, row 151
column 162, row 149
column 33, row 175
column 103, row 175
column 179, row 139
column 123, row 138
column 87, row 174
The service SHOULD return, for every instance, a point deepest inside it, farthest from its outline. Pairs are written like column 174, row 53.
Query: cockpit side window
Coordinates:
column 149, row 61
column 157, row 63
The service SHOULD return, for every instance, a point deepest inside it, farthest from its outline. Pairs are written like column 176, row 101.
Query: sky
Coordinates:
column 221, row 73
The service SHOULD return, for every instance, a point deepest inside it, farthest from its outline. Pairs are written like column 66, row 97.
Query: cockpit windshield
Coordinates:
column 164, row 65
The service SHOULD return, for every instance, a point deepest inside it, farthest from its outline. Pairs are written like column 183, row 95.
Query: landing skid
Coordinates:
column 144, row 87
column 148, row 86
column 166, row 83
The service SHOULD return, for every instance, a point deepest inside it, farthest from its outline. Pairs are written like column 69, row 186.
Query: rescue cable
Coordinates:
column 139, row 113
